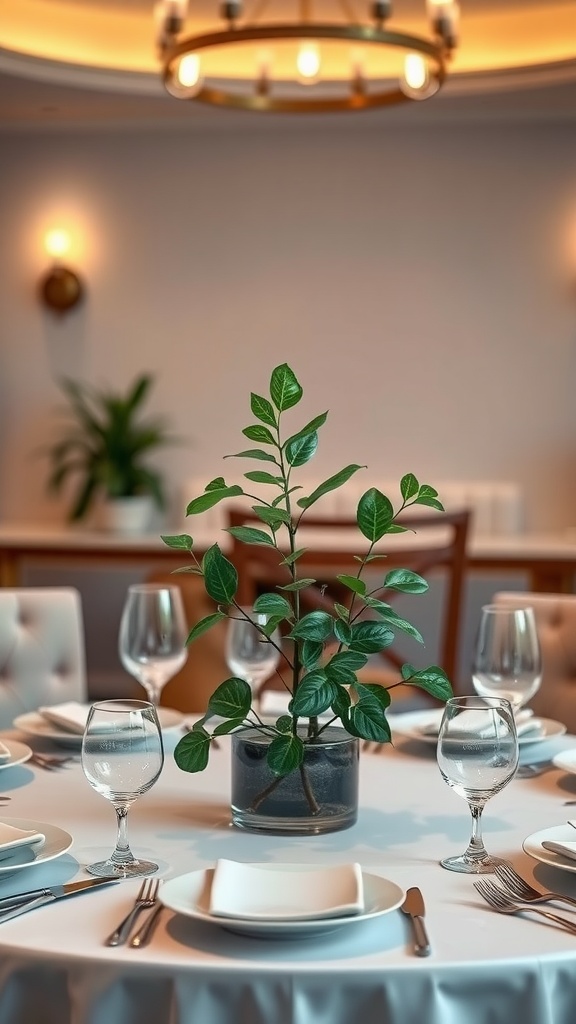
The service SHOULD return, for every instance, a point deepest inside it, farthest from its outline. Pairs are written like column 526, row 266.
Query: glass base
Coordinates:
column 472, row 865
column 131, row 869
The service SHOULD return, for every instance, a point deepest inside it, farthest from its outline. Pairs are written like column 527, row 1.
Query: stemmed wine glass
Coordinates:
column 153, row 633
column 250, row 654
column 122, row 757
column 507, row 661
column 477, row 755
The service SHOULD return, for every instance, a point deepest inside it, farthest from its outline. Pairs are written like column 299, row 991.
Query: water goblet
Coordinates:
column 507, row 660
column 122, row 757
column 153, row 633
column 250, row 653
column 477, row 755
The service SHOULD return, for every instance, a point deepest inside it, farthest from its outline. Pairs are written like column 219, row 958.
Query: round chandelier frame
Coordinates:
column 385, row 93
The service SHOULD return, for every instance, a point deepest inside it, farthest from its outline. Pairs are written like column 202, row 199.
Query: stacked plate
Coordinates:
column 69, row 733
column 424, row 725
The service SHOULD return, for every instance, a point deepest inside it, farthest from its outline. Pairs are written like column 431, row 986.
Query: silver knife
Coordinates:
column 413, row 907
column 13, row 906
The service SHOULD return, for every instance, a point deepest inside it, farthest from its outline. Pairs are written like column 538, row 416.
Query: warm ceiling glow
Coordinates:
column 189, row 70
column 308, row 63
column 415, row 71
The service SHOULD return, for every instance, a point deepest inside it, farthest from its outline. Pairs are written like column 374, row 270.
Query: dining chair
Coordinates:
column 42, row 653
column 555, row 616
column 434, row 545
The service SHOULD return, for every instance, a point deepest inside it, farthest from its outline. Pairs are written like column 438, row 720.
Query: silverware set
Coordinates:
column 147, row 899
column 515, row 895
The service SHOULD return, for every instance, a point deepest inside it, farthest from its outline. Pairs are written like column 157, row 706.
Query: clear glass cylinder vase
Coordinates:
column 320, row 796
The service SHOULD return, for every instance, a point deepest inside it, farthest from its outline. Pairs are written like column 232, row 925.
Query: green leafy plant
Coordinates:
column 325, row 650
column 106, row 444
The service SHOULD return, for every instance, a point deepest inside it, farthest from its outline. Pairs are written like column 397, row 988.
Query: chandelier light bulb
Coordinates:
column 57, row 243
column 189, row 72
column 308, row 63
column 415, row 71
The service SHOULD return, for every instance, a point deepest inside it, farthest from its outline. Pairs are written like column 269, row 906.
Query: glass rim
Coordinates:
column 480, row 702
column 116, row 704
column 507, row 608
column 151, row 588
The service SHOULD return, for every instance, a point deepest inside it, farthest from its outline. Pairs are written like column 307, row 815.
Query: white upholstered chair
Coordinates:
column 556, row 621
column 42, row 656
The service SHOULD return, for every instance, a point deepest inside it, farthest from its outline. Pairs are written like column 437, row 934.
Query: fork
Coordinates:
column 503, row 904
column 146, row 898
column 519, row 888
column 144, row 933
column 51, row 762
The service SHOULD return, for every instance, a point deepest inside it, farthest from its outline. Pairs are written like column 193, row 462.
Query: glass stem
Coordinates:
column 122, row 854
column 476, row 849
column 153, row 690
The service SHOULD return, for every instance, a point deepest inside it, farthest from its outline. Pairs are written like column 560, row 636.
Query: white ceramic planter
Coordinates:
column 127, row 515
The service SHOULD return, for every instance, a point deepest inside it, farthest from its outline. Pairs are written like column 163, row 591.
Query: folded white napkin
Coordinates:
column 70, row 716
column 11, row 837
column 468, row 720
column 564, row 849
column 285, row 892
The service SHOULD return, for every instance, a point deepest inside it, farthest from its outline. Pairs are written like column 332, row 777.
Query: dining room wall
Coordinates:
column 417, row 280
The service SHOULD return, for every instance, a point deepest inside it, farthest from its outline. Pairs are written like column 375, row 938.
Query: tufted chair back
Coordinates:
column 42, row 659
column 556, row 621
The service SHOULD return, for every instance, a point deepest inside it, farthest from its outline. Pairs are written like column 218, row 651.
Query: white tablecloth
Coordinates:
column 484, row 968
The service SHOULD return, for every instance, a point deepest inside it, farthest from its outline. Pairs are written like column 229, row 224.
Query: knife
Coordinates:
column 413, row 907
column 13, row 906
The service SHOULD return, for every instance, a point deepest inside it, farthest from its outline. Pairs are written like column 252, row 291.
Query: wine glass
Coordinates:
column 250, row 654
column 477, row 755
column 153, row 633
column 507, row 661
column 122, row 757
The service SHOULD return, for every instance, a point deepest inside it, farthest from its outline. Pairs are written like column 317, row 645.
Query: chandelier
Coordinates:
column 304, row 65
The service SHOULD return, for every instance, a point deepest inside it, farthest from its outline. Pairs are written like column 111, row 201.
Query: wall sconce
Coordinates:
column 60, row 288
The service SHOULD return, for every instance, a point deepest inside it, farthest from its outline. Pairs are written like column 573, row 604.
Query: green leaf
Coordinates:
column 331, row 484
column 250, row 535
column 179, row 541
column 297, row 584
column 220, row 576
column 258, row 477
column 272, row 623
column 426, row 491
column 367, row 717
column 232, row 699
column 314, row 626
column 253, row 453
column 300, row 448
column 285, row 391
column 409, row 486
column 314, row 424
column 284, row 723
column 406, row 581
column 374, row 515
column 342, row 631
column 430, row 502
column 192, row 751
column 310, row 653
column 262, row 410
column 290, row 559
column 256, row 432
column 353, row 583
column 285, row 754
column 382, row 695
column 211, row 498
column 314, row 695
column 370, row 637
column 216, row 484
column 204, row 625
column 393, row 619
column 341, row 703
column 225, row 727
column 408, row 671
column 272, row 516
column 343, row 664
column 433, row 680
column 273, row 604
column 342, row 611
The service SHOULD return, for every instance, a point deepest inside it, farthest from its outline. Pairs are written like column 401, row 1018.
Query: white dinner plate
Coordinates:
column 190, row 895
column 412, row 723
column 34, row 724
column 566, row 761
column 19, row 753
column 57, row 842
column 557, row 834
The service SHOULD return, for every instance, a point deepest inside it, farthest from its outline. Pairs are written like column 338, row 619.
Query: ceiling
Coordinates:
column 94, row 61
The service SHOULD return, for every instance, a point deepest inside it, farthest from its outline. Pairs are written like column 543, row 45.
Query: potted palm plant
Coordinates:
column 299, row 773
column 105, row 446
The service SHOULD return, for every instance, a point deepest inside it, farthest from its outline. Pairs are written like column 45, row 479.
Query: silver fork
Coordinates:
column 520, row 888
column 51, row 762
column 502, row 903
column 146, row 898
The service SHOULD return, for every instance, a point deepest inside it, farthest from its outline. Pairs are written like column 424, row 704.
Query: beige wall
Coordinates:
column 414, row 278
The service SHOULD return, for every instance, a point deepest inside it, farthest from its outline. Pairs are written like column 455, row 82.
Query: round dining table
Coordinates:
column 484, row 967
